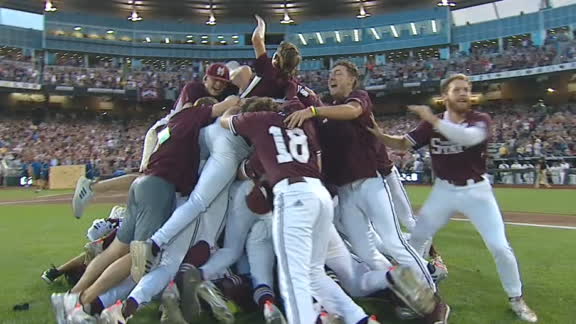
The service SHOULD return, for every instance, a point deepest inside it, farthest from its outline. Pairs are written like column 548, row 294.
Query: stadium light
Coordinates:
column 413, row 27
column 302, row 39
column 362, row 14
column 286, row 20
column 212, row 20
column 338, row 39
column 77, row 28
column 167, row 40
column 434, row 27
column 110, row 31
column 319, row 37
column 148, row 40
column 134, row 17
column 446, row 3
column 550, row 90
column 49, row 7
column 394, row 31
column 375, row 33
column 235, row 37
column 356, row 35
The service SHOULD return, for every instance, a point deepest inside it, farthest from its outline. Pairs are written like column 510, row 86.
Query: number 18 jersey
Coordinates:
column 283, row 152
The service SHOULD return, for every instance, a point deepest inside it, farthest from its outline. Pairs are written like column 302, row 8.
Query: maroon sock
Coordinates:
column 130, row 307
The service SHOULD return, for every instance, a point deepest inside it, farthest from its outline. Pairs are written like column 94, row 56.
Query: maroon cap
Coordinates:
column 219, row 71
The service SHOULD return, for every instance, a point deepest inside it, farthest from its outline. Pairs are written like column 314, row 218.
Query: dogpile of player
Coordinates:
column 302, row 193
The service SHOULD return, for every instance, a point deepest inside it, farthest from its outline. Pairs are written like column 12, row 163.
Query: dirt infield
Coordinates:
column 120, row 198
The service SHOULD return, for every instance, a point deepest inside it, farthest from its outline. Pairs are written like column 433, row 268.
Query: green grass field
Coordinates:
column 34, row 236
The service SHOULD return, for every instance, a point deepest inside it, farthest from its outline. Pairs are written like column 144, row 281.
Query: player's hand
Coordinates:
column 423, row 111
column 297, row 118
column 375, row 129
column 261, row 28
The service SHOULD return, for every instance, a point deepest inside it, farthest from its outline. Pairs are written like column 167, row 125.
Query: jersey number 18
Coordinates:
column 297, row 148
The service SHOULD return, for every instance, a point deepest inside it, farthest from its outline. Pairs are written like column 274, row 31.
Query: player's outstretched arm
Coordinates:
column 467, row 136
column 221, row 107
column 347, row 111
column 399, row 143
column 258, row 37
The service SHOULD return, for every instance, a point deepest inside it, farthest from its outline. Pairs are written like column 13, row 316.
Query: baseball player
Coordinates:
column 214, row 85
column 458, row 141
column 302, row 210
column 173, row 168
column 350, row 162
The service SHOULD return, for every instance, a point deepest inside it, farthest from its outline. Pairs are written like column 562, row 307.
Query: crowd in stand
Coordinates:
column 109, row 147
column 105, row 147
column 18, row 69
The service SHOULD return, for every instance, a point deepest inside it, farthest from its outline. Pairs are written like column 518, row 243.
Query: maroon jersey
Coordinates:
column 384, row 163
column 260, row 199
column 284, row 153
column 177, row 157
column 306, row 96
column 268, row 81
column 348, row 149
column 451, row 161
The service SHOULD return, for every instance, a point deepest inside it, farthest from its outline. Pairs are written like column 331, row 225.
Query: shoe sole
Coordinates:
column 189, row 294
column 78, row 204
column 415, row 305
column 138, row 252
column 216, row 303
column 46, row 279
column 58, row 307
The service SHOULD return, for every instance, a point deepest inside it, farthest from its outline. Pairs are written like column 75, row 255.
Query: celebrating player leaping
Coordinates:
column 458, row 140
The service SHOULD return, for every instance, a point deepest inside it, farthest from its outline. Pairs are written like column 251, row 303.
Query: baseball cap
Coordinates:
column 219, row 71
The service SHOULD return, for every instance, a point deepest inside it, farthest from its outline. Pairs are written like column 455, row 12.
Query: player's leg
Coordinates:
column 401, row 200
column 154, row 282
column 292, row 230
column 326, row 291
column 71, row 265
column 482, row 209
column 356, row 227
column 434, row 214
column 86, row 189
column 377, row 204
column 112, row 276
column 227, row 151
column 238, row 223
column 260, row 252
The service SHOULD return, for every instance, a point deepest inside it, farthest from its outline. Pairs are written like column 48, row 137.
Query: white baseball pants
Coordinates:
column 367, row 203
column 303, row 214
column 478, row 203
column 226, row 152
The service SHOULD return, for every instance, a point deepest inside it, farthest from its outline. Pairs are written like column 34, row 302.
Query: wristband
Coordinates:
column 314, row 111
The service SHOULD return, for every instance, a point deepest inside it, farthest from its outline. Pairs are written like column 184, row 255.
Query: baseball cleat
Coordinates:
column 117, row 212
column 63, row 305
column 373, row 320
column 92, row 249
column 51, row 274
column 414, row 292
column 78, row 316
column 171, row 312
column 212, row 295
column 522, row 310
column 439, row 315
column 438, row 269
column 113, row 315
column 143, row 260
column 82, row 195
column 272, row 314
column 191, row 280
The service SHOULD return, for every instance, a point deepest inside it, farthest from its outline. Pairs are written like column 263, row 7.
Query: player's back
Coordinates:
column 283, row 152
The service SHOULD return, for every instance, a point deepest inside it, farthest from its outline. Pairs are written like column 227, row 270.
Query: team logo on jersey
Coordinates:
column 438, row 146
column 220, row 71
